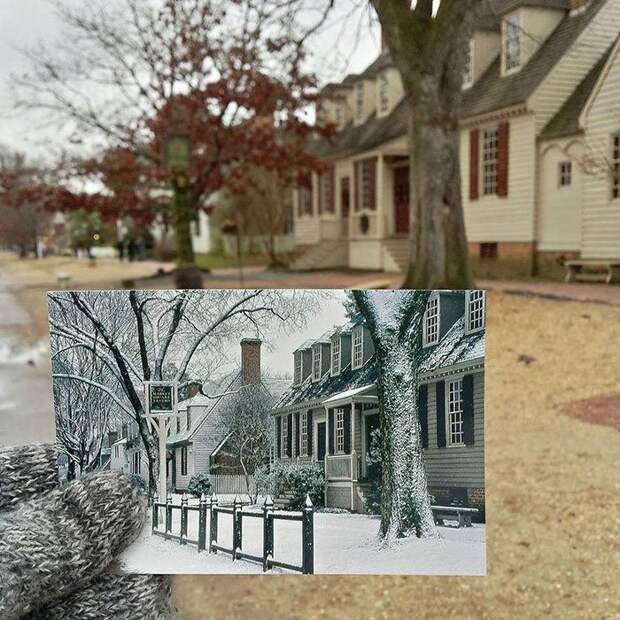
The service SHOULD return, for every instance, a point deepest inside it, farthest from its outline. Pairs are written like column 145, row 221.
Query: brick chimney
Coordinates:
column 250, row 361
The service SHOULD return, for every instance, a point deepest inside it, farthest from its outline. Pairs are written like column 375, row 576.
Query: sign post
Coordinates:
column 161, row 403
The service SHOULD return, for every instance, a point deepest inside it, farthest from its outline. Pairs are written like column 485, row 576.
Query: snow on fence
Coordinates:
column 209, row 508
column 228, row 484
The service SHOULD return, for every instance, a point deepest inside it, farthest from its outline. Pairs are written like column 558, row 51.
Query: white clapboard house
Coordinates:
column 330, row 411
column 540, row 146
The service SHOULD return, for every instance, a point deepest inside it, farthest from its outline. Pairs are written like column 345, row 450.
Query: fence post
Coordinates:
column 202, row 523
column 267, row 532
column 236, row 527
column 168, row 514
column 183, row 538
column 307, row 536
column 155, row 513
column 213, row 523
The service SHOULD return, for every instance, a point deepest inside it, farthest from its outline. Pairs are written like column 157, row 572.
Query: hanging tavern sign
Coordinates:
column 161, row 397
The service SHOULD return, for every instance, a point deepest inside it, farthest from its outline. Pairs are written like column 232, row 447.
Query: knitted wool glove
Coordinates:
column 57, row 544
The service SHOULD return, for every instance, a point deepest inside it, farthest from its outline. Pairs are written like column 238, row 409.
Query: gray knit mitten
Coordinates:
column 57, row 544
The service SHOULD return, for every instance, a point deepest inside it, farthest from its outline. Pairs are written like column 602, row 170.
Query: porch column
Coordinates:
column 354, row 472
column 381, row 206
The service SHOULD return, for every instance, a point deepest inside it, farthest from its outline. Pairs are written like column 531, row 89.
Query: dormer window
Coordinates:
column 512, row 43
column 298, row 367
column 336, row 356
column 468, row 73
column 357, row 357
column 384, row 93
column 316, row 362
column 359, row 101
column 430, row 325
column 339, row 115
column 474, row 311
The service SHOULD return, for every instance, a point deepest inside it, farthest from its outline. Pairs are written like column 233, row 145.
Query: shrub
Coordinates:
column 137, row 482
column 199, row 484
column 297, row 479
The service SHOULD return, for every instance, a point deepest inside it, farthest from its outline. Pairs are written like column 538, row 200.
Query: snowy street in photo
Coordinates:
column 344, row 543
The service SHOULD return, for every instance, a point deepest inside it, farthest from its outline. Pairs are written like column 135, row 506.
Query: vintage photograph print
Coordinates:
column 281, row 431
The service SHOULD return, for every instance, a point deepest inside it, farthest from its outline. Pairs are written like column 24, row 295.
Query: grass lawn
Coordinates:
column 220, row 261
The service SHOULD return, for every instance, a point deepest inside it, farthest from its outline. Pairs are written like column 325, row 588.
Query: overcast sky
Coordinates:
column 277, row 351
column 351, row 45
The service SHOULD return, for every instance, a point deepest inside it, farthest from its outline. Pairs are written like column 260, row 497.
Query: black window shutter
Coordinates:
column 347, row 430
column 297, row 433
column 440, row 389
column 468, row 410
column 332, row 432
column 279, row 437
column 289, row 435
column 310, row 433
column 423, row 414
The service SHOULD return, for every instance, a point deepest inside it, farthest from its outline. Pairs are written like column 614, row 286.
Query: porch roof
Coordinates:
column 362, row 392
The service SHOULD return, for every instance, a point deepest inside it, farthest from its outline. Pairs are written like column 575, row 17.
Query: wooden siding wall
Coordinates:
column 458, row 466
column 601, row 214
column 493, row 218
column 576, row 63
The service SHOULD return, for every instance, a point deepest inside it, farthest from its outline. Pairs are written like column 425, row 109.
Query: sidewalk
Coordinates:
column 587, row 293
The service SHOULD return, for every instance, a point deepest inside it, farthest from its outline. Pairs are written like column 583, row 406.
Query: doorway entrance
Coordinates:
column 401, row 200
column 320, row 446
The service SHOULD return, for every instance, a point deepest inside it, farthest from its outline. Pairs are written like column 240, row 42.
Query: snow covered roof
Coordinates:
column 456, row 348
column 359, row 391
column 120, row 441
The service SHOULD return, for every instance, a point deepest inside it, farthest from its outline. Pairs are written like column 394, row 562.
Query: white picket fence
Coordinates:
column 227, row 484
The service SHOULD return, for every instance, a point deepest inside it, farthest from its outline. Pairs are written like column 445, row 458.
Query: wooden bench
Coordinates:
column 453, row 512
column 593, row 271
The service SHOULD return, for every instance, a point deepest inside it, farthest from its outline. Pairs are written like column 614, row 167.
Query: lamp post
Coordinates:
column 178, row 156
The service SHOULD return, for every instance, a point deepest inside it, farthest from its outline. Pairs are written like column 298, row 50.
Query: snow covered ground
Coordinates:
column 343, row 543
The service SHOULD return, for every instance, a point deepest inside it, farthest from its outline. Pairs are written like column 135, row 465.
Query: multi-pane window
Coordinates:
column 336, row 355
column 455, row 412
column 512, row 43
column 298, row 363
column 339, row 115
column 489, row 161
column 431, row 321
column 475, row 310
column 184, row 461
column 615, row 182
column 316, row 362
column 326, row 192
column 359, row 101
column 303, row 433
column 565, row 173
column 305, row 206
column 384, row 93
column 358, row 347
column 283, row 436
column 339, row 430
column 366, row 184
column 468, row 73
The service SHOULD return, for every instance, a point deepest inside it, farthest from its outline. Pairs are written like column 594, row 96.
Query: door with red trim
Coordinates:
column 401, row 200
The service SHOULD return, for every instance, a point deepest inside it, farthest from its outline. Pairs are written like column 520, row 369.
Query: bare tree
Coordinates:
column 249, row 426
column 395, row 323
column 138, row 336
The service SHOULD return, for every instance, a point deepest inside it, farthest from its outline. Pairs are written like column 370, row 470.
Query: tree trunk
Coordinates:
column 439, row 251
column 70, row 470
column 405, row 505
column 183, row 233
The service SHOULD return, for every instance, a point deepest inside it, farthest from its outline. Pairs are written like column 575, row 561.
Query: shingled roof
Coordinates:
column 566, row 121
column 494, row 92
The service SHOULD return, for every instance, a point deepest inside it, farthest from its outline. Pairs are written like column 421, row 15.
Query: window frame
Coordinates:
column 489, row 161
column 316, row 368
column 512, row 47
column 468, row 311
column 339, row 430
column 615, row 166
column 303, row 433
column 565, row 174
column 358, row 329
column 298, row 367
column 468, row 73
column 336, row 350
column 426, row 341
column 283, row 436
column 359, row 101
column 454, row 413
column 383, row 91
